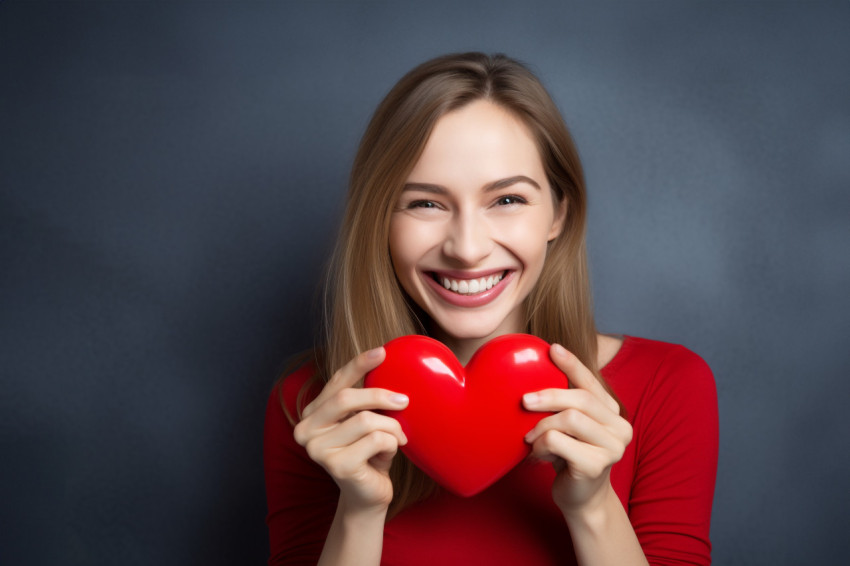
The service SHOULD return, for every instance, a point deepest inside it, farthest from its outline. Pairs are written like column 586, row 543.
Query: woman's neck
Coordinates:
column 464, row 348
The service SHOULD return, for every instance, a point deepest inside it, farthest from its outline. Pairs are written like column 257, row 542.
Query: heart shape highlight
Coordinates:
column 466, row 426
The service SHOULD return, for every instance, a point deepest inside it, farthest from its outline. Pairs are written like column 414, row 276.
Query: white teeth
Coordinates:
column 471, row 286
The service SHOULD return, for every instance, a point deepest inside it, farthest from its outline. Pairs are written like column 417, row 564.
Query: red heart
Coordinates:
column 465, row 426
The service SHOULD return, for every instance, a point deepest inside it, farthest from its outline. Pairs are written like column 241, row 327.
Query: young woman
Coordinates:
column 466, row 221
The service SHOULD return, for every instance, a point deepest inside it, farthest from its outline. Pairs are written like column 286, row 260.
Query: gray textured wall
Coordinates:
column 170, row 180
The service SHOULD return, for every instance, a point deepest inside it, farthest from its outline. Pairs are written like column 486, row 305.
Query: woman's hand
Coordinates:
column 583, row 439
column 354, row 444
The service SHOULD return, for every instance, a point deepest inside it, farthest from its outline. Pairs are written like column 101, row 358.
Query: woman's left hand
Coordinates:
column 583, row 439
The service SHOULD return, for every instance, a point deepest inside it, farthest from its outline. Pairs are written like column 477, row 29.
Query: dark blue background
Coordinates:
column 171, row 176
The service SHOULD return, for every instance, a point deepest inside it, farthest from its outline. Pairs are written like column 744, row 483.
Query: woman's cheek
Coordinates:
column 528, row 235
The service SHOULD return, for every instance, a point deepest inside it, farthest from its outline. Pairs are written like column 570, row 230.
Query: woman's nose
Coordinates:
column 468, row 239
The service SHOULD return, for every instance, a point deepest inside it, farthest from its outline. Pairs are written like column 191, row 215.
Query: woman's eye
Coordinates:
column 508, row 200
column 422, row 204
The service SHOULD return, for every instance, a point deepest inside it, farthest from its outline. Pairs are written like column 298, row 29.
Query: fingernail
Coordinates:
column 531, row 399
column 399, row 399
column 374, row 353
column 559, row 350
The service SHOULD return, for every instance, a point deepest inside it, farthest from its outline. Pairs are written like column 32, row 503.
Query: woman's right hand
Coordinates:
column 354, row 444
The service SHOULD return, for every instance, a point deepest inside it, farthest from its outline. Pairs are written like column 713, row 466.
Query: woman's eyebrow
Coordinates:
column 493, row 186
column 426, row 188
column 502, row 183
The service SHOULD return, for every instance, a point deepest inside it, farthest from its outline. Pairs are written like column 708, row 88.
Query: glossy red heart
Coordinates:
column 466, row 426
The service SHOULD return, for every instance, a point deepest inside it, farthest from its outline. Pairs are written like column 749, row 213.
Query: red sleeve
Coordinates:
column 301, row 497
column 676, row 468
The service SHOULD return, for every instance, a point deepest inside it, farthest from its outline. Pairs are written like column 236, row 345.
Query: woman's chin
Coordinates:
column 473, row 331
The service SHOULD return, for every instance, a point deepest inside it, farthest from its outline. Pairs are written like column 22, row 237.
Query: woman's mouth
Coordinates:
column 469, row 286
column 468, row 292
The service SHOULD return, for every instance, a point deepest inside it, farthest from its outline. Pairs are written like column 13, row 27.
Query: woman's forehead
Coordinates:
column 479, row 143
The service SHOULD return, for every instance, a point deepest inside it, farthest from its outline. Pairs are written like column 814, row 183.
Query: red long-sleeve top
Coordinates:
column 665, row 481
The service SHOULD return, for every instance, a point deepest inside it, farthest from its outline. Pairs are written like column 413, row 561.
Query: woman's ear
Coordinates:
column 560, row 218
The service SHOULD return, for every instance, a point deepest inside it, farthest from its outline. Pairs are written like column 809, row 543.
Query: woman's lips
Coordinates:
column 465, row 291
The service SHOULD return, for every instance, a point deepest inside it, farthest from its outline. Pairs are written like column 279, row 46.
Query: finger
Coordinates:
column 557, row 400
column 342, row 405
column 579, row 376
column 353, row 371
column 351, row 400
column 581, row 458
column 348, row 376
column 349, row 461
column 355, row 428
column 576, row 410
column 578, row 425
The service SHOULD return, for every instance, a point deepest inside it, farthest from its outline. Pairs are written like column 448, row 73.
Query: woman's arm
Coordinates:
column 356, row 537
column 672, row 489
column 671, row 492
column 328, row 492
column 583, row 440
column 604, row 534
column 355, row 445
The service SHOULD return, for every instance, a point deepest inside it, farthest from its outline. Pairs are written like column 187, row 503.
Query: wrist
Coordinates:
column 355, row 513
column 603, row 534
column 356, row 535
column 594, row 515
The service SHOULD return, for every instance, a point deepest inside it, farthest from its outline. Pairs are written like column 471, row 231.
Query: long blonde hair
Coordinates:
column 365, row 306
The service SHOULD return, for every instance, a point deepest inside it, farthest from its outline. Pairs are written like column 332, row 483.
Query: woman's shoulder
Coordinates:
column 635, row 351
column 293, row 390
column 643, row 363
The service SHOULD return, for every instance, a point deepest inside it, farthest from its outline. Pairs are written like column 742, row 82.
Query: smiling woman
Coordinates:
column 465, row 221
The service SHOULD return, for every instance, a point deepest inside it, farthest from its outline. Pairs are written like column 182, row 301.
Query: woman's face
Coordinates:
column 469, row 232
